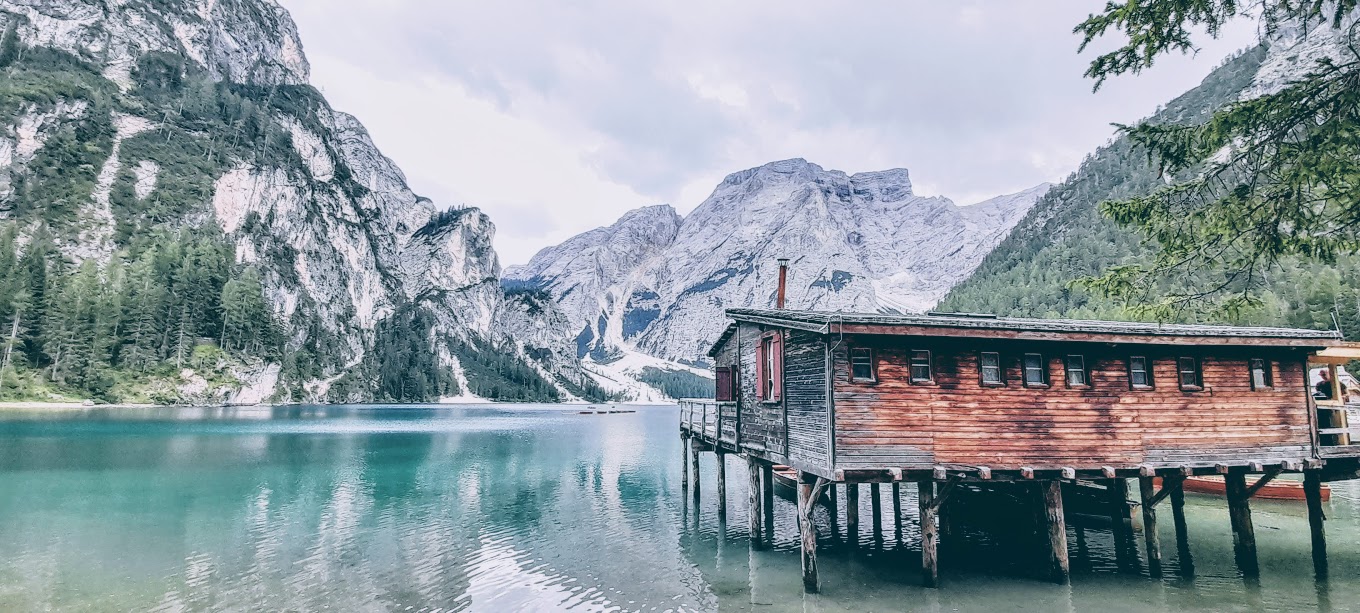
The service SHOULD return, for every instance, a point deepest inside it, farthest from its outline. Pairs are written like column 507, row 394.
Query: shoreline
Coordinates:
column 67, row 406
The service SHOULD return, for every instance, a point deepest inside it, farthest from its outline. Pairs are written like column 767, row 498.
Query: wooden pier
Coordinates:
column 937, row 402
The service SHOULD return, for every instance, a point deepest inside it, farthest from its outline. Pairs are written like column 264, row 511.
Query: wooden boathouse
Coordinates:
column 941, row 400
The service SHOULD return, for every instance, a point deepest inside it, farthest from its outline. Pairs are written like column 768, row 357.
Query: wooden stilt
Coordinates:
column 1120, row 521
column 809, row 490
column 694, row 467
column 684, row 463
column 767, row 499
column 897, row 510
column 876, row 507
column 852, row 512
column 722, row 483
column 1183, row 558
column 1059, row 568
column 1312, row 490
column 755, row 516
column 1239, row 512
column 1150, row 537
column 930, row 536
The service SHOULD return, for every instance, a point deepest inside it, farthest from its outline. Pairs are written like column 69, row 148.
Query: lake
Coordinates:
column 534, row 508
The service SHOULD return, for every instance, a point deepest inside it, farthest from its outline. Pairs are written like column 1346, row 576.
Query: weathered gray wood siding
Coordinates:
column 805, row 398
column 762, row 423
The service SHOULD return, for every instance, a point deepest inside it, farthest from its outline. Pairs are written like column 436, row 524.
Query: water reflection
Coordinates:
column 530, row 508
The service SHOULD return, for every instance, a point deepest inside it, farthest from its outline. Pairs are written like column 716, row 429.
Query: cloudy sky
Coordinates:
column 556, row 117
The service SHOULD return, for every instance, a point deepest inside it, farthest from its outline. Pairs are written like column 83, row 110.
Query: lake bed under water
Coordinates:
column 535, row 508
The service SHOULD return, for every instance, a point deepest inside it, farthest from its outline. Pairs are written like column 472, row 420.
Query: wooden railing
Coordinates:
column 709, row 419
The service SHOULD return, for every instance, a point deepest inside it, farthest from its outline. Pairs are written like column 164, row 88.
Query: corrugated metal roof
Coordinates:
column 1015, row 324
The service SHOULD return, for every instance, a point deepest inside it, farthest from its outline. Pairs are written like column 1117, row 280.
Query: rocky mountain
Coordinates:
column 658, row 284
column 1066, row 238
column 124, row 121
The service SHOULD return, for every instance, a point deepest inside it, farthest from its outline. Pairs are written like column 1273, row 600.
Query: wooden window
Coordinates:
column 920, row 367
column 770, row 368
column 1140, row 375
column 1189, row 374
column 1076, row 371
column 989, row 368
column 862, row 365
column 726, row 384
column 1036, row 375
column 1260, row 375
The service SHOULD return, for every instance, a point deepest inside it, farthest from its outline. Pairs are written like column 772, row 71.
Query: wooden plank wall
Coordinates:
column 894, row 424
column 762, row 423
column 805, row 398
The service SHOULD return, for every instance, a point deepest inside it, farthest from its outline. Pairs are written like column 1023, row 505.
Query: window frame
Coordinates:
column 929, row 365
column 1198, row 371
column 873, row 365
column 1042, row 368
column 1267, row 376
column 1000, row 370
column 1068, row 370
column 769, row 368
column 1147, row 373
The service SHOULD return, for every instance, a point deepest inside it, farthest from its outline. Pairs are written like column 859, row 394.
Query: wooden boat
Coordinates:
column 1277, row 489
column 786, row 483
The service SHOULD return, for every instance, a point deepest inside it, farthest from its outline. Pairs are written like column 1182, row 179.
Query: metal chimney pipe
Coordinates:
column 783, row 283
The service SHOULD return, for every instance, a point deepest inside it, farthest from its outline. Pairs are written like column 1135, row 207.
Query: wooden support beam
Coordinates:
column 694, row 466
column 1313, row 464
column 1239, row 512
column 1265, row 479
column 930, row 533
column 1256, row 467
column 1107, row 472
column 1292, row 465
column 1059, row 568
column 1185, row 561
column 1027, row 472
column 1312, row 491
column 1222, row 469
column 897, row 510
column 1118, row 497
column 684, row 463
column 985, row 473
column 1146, row 471
column 1150, row 536
column 722, row 483
column 1187, row 471
column 876, row 507
column 942, row 496
column 852, row 513
column 755, row 516
column 939, row 473
column 1166, row 489
column 809, row 490
column 767, row 499
column 1069, row 473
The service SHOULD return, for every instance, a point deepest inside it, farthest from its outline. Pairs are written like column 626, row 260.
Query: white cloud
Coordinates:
column 557, row 117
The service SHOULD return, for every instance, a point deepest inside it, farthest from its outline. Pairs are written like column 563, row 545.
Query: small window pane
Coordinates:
column 862, row 364
column 1035, row 373
column 1076, row 371
column 1139, row 376
column 920, row 367
column 1260, row 374
column 1189, row 373
column 991, row 369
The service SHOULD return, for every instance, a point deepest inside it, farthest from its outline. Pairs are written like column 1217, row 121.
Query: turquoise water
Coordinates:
column 524, row 508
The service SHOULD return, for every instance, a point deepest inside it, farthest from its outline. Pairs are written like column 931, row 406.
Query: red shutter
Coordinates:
column 723, row 380
column 760, row 370
column 777, row 345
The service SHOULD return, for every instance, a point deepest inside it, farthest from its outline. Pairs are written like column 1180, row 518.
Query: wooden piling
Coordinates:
column 809, row 490
column 930, row 536
column 1239, row 512
column 755, row 515
column 852, row 512
column 767, row 499
column 876, row 506
column 1312, row 490
column 1056, row 522
column 897, row 510
column 1184, row 560
column 694, row 466
column 684, row 463
column 1124, row 548
column 722, row 483
column 1150, row 537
